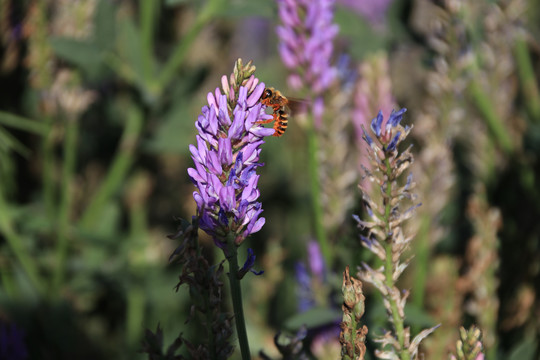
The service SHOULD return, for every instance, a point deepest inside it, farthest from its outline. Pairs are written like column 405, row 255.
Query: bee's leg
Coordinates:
column 274, row 118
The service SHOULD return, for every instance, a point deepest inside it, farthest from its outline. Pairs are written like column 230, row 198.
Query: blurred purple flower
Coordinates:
column 316, row 260
column 306, row 36
column 12, row 346
column 226, row 157
column 303, row 287
column 372, row 10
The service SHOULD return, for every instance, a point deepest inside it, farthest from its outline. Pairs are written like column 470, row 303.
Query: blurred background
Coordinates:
column 98, row 100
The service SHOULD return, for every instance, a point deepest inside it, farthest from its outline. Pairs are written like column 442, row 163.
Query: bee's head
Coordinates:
column 268, row 92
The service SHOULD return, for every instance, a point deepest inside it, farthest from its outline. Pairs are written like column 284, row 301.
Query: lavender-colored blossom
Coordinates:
column 304, row 291
column 306, row 36
column 316, row 260
column 226, row 157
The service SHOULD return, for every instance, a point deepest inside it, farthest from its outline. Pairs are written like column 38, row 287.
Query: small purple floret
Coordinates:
column 376, row 123
column 248, row 265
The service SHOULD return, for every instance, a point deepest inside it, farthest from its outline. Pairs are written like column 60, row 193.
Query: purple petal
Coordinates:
column 393, row 143
column 198, row 200
column 255, row 227
column 213, row 163
column 227, row 198
column 395, row 118
column 212, row 122
column 288, row 57
column 225, row 151
column 242, row 97
column 237, row 127
column 211, row 101
column 255, row 95
column 376, row 124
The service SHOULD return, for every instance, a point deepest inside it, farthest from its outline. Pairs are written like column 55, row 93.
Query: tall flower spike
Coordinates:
column 385, row 233
column 306, row 36
column 226, row 157
column 353, row 335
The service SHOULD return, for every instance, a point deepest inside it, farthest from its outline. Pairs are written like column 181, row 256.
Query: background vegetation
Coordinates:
column 98, row 100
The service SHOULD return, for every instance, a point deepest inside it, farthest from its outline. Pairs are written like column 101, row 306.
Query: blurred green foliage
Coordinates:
column 97, row 110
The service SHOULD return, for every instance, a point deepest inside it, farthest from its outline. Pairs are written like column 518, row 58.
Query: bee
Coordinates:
column 281, row 106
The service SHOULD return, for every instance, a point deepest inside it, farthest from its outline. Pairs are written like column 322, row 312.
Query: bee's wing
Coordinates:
column 297, row 106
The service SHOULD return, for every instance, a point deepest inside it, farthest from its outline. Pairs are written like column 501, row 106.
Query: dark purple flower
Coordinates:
column 392, row 134
column 225, row 159
column 12, row 345
column 306, row 36
column 305, row 294
column 376, row 123
column 248, row 265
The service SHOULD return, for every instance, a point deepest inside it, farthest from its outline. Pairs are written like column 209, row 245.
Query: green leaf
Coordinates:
column 247, row 8
column 85, row 55
column 175, row 132
column 104, row 24
column 22, row 123
column 176, row 2
column 314, row 317
column 415, row 316
column 130, row 50
column 9, row 143
column 363, row 39
column 525, row 350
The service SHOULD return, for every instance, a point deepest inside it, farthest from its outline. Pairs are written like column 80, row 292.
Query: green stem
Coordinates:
column 236, row 295
column 493, row 121
column 389, row 266
column 527, row 78
column 119, row 168
column 15, row 243
column 315, row 188
column 134, row 314
column 22, row 123
column 147, row 11
column 48, row 168
column 68, row 171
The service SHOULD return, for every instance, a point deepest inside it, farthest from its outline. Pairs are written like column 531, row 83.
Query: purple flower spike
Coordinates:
column 306, row 36
column 225, row 159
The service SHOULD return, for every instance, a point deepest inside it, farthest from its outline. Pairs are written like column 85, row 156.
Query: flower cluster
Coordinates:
column 226, row 158
column 306, row 42
column 469, row 346
column 353, row 334
column 386, row 238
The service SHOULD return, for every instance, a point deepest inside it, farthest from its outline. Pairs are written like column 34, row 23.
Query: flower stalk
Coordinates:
column 236, row 296
column 226, row 158
column 385, row 237
column 352, row 336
